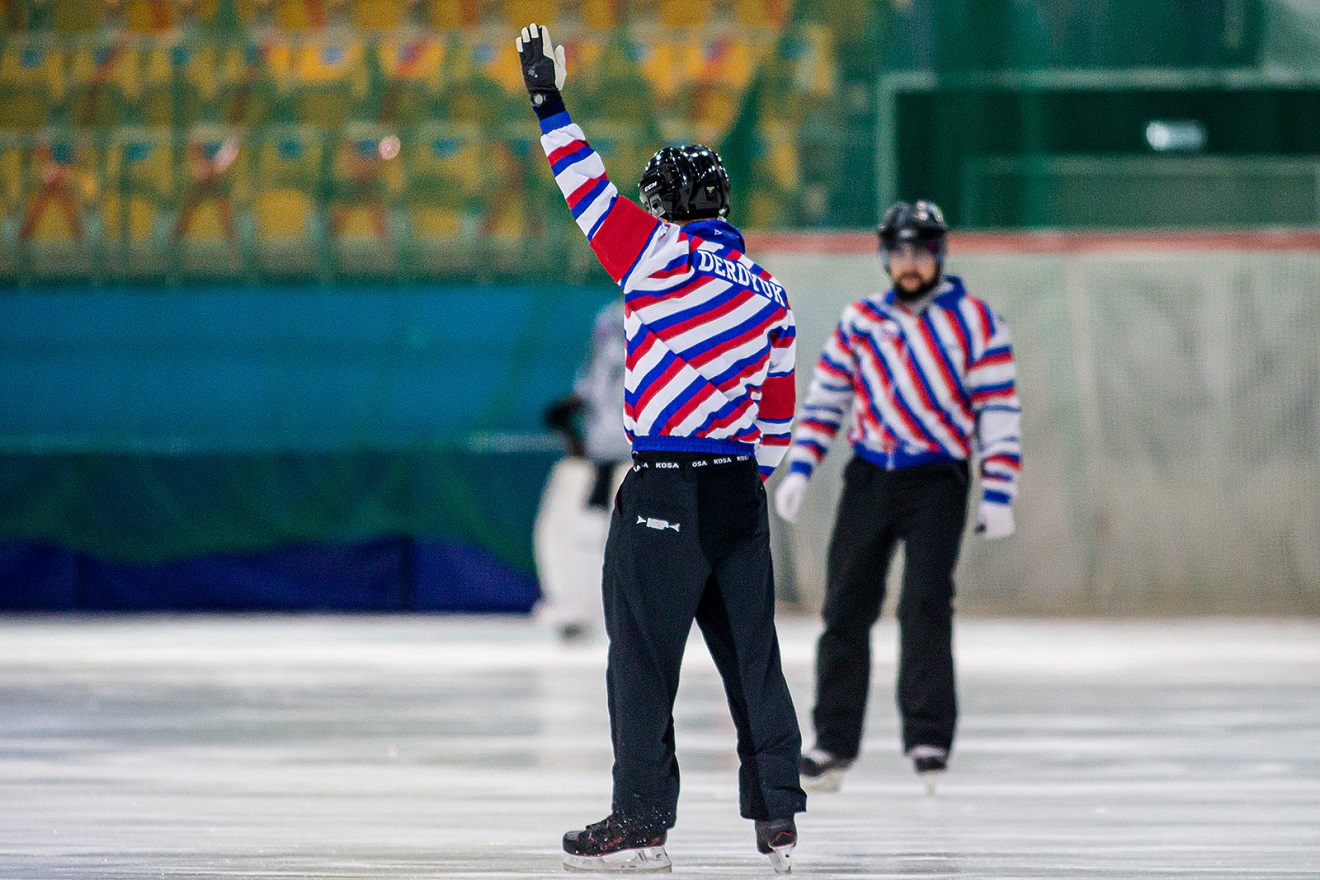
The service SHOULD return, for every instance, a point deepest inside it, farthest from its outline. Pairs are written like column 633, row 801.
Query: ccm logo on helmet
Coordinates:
column 740, row 274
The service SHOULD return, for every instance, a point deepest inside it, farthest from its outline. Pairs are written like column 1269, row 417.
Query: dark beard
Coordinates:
column 909, row 296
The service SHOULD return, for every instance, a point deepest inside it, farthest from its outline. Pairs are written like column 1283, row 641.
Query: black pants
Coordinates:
column 925, row 508
column 689, row 540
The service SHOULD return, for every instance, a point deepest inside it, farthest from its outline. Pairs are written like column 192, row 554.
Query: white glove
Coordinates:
column 788, row 497
column 994, row 520
column 542, row 61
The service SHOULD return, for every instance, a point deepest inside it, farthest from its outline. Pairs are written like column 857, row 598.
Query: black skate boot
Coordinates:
column 929, row 762
column 615, row 844
column 776, row 838
column 820, row 770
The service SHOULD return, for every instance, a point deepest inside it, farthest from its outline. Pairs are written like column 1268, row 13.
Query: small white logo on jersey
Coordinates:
column 658, row 524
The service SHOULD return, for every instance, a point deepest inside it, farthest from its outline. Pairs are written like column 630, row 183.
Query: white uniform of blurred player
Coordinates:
column 574, row 518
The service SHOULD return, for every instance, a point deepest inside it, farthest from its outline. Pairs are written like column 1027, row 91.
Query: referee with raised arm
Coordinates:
column 708, row 405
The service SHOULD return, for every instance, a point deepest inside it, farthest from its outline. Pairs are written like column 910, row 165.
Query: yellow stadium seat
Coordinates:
column 321, row 79
column 669, row 63
column 283, row 214
column 105, row 80
column 599, row 14
column 520, row 13
column 761, row 13
column 451, row 14
column 378, row 15
column 74, row 16
column 444, row 161
column 413, row 69
column 491, row 56
column 148, row 16
column 11, row 178
column 289, row 15
column 32, row 82
column 62, row 184
column 286, row 214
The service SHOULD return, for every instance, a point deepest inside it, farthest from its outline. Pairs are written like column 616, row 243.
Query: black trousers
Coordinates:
column 924, row 507
column 689, row 541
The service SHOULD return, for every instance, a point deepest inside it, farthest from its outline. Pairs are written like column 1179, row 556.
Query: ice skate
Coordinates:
column 930, row 762
column 776, row 838
column 616, row 845
column 821, row 771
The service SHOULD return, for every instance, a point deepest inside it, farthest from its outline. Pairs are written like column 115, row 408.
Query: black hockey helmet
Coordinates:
column 913, row 222
column 685, row 183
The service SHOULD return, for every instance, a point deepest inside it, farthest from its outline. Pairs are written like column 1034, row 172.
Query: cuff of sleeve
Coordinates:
column 990, row 496
column 800, row 467
column 551, row 105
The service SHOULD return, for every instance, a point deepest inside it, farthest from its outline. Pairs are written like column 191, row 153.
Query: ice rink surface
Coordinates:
column 375, row 747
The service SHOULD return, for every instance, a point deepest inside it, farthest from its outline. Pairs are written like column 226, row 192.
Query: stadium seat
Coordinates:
column 412, row 69
column 378, row 15
column 74, row 16
column 321, row 80
column 366, row 183
column 670, row 62
column 492, row 56
column 444, row 195
column 139, row 181
column 210, row 231
column 761, row 13
column 286, row 216
column 32, row 82
column 520, row 13
column 62, row 182
column 105, row 81
column 148, row 16
column 11, row 204
column 451, row 14
column 138, row 190
column 287, row 15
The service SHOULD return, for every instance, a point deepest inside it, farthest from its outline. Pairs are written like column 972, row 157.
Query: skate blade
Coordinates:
column 929, row 780
column 626, row 861
column 779, row 858
column 831, row 780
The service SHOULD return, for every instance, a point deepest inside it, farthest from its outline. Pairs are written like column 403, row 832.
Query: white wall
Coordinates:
column 1171, row 410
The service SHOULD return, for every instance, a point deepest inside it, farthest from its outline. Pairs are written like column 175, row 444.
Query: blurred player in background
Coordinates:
column 574, row 518
column 708, row 406
column 927, row 372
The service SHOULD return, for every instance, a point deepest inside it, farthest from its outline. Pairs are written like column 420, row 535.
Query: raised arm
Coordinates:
column 630, row 243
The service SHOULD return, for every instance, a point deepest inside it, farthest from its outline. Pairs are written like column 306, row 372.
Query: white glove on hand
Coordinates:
column 542, row 61
column 994, row 520
column 789, row 495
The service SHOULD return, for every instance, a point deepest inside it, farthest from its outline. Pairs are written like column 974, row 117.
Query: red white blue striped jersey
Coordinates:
column 938, row 385
column 710, row 335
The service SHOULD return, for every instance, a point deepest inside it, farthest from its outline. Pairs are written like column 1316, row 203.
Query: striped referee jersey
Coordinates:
column 937, row 385
column 710, row 335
